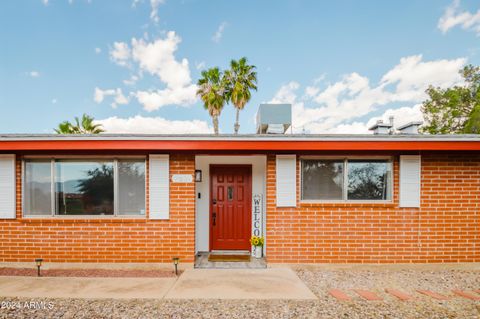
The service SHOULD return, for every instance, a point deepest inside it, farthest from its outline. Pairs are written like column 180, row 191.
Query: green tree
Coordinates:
column 211, row 89
column 83, row 126
column 241, row 79
column 454, row 110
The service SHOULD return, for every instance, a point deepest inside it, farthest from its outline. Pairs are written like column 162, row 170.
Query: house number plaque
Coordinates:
column 182, row 178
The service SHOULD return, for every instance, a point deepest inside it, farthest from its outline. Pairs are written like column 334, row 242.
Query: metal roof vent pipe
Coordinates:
column 381, row 128
column 410, row 128
column 274, row 118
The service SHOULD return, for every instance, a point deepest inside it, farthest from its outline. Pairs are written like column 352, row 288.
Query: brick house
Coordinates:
column 401, row 198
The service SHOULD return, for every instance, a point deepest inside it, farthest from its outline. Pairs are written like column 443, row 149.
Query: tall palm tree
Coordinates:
column 83, row 126
column 241, row 79
column 211, row 89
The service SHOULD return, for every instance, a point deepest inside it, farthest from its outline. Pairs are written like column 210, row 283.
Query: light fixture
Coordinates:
column 38, row 261
column 176, row 260
column 198, row 175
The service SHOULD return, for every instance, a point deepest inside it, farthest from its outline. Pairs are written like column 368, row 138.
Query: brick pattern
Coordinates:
column 445, row 229
column 106, row 239
column 400, row 295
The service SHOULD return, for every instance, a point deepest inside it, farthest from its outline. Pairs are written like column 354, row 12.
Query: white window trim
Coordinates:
column 345, row 159
column 114, row 159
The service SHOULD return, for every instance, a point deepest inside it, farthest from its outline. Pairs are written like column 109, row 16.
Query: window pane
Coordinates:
column 84, row 188
column 369, row 180
column 322, row 179
column 38, row 187
column 131, row 187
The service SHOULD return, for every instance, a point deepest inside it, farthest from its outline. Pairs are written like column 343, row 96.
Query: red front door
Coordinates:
column 230, row 207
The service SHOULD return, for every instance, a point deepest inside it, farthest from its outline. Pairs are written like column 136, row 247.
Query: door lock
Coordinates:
column 214, row 219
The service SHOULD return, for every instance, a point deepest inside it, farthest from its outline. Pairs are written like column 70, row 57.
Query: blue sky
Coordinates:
column 133, row 65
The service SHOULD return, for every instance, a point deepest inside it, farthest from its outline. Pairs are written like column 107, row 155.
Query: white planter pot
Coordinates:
column 258, row 251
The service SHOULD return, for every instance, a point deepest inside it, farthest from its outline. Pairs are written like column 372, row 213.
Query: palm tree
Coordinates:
column 241, row 79
column 211, row 89
column 83, row 126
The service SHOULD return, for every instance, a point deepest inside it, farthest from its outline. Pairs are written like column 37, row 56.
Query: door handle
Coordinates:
column 214, row 219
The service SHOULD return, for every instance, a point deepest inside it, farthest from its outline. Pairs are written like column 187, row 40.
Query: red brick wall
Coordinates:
column 106, row 239
column 445, row 229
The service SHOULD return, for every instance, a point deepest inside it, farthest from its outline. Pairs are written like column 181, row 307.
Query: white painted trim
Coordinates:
column 159, row 186
column 8, row 189
column 410, row 180
column 345, row 160
column 54, row 207
column 202, row 207
column 286, row 180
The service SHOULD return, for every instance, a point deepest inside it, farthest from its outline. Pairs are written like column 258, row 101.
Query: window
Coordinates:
column 346, row 179
column 38, row 187
column 368, row 180
column 322, row 179
column 84, row 187
column 131, row 187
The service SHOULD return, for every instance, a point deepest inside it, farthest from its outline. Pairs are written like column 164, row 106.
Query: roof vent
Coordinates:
column 274, row 118
column 381, row 128
column 410, row 128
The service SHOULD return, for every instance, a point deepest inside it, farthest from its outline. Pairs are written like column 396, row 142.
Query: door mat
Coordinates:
column 229, row 258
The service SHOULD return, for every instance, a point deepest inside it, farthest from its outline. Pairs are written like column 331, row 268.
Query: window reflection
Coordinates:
column 84, row 188
column 368, row 180
column 322, row 179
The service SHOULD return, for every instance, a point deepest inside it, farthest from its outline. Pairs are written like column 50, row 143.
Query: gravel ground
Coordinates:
column 408, row 281
column 10, row 271
column 318, row 280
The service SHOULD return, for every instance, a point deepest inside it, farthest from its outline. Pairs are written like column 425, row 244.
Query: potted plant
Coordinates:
column 257, row 243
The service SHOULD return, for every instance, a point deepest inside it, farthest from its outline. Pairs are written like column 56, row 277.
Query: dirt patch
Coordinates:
column 9, row 271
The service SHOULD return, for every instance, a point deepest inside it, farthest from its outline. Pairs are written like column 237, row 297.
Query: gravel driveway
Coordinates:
column 318, row 280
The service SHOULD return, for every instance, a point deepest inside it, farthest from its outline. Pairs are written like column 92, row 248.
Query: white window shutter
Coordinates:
column 286, row 180
column 159, row 186
column 7, row 186
column 410, row 175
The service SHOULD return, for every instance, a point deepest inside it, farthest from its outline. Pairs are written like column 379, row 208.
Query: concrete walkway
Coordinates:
column 76, row 287
column 271, row 283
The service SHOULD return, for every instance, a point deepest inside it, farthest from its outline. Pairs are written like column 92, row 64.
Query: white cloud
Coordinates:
column 286, row 93
column 200, row 66
column 217, row 36
column 339, row 104
column 98, row 50
column 153, row 100
column 412, row 76
column 54, row 101
column 402, row 115
column 155, row 4
column 33, row 74
column 453, row 17
column 151, row 125
column 120, row 53
column 158, row 58
column 45, row 2
column 117, row 94
column 133, row 79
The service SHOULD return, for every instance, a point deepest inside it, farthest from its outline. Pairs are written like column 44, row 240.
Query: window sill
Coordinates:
column 347, row 203
column 84, row 218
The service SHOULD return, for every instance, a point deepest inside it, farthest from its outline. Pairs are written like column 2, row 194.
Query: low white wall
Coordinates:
column 202, row 209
